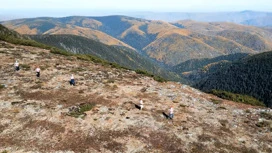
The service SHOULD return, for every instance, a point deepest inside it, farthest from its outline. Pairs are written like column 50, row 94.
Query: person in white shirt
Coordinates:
column 17, row 68
column 38, row 71
column 171, row 112
column 72, row 81
column 141, row 104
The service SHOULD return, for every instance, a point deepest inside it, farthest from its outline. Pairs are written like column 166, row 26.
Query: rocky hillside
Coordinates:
column 169, row 43
column 46, row 114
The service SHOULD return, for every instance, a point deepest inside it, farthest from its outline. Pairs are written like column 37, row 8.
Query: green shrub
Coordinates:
column 263, row 124
column 60, row 52
column 247, row 111
column 78, row 69
column 81, row 111
column 216, row 101
column 266, row 115
column 143, row 72
column 25, row 67
column 2, row 86
column 237, row 97
column 110, row 81
column 157, row 78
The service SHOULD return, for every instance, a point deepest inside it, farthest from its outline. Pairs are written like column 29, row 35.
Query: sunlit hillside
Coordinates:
column 169, row 43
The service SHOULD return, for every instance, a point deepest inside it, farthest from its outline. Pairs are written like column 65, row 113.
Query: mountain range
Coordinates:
column 170, row 43
column 246, row 17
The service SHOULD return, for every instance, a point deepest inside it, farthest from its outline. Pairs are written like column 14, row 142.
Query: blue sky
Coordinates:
column 57, row 8
column 142, row 5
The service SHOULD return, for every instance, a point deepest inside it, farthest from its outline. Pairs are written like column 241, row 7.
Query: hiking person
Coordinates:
column 141, row 104
column 16, row 64
column 171, row 112
column 72, row 81
column 38, row 70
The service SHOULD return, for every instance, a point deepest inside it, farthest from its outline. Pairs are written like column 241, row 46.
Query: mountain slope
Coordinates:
column 196, row 64
column 122, row 56
column 174, row 48
column 80, row 26
column 46, row 114
column 262, row 21
column 251, row 76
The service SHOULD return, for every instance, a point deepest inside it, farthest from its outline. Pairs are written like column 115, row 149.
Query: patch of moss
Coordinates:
column 80, row 110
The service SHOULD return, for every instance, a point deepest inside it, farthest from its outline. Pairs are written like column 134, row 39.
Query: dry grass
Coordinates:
column 243, row 149
column 63, row 97
column 24, row 29
column 55, row 129
column 165, row 142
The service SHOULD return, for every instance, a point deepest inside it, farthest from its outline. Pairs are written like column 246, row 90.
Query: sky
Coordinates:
column 143, row 5
column 30, row 8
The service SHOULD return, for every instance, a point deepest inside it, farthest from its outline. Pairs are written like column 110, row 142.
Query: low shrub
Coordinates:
column 25, row 67
column 216, row 101
column 78, row 69
column 79, row 111
column 237, row 97
column 2, row 86
column 156, row 78
column 266, row 115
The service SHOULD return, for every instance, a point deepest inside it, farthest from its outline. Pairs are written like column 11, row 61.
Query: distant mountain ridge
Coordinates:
column 168, row 43
column 246, row 17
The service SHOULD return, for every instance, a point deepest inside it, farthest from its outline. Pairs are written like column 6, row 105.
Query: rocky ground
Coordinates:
column 44, row 114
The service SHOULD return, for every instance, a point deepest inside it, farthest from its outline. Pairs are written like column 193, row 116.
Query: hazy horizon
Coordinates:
column 14, row 9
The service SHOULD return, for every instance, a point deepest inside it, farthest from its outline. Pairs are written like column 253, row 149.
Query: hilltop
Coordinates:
column 170, row 43
column 46, row 114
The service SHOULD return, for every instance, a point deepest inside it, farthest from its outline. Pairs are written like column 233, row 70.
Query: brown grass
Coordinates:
column 24, row 29
column 64, row 97
column 54, row 128
column 242, row 149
